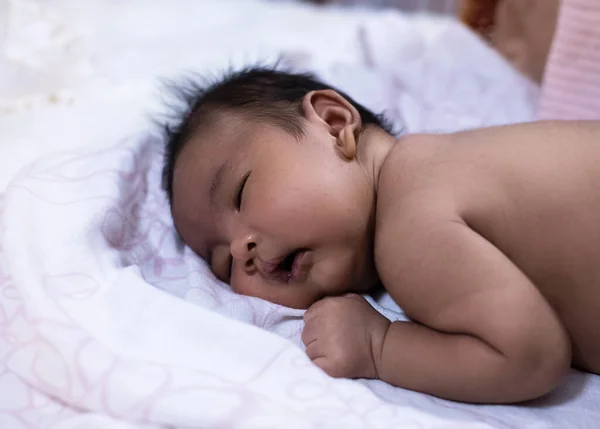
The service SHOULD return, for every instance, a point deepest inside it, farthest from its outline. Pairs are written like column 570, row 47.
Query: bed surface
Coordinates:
column 133, row 328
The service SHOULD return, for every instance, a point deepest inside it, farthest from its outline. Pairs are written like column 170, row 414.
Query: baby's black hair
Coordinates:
column 262, row 93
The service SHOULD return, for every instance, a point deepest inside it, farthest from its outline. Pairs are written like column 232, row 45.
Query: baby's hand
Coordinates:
column 344, row 335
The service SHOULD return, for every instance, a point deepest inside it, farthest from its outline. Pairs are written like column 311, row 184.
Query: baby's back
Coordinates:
column 533, row 191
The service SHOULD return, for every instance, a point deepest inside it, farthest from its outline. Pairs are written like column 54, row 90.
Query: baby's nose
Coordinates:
column 243, row 249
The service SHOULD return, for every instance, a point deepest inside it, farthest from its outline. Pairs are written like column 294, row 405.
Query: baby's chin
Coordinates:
column 359, row 281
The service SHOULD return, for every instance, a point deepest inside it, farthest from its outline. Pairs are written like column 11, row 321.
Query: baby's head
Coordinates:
column 271, row 181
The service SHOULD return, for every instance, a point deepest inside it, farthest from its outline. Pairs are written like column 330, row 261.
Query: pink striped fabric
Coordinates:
column 571, row 87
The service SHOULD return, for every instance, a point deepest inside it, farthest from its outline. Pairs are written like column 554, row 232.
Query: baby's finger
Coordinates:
column 351, row 294
column 325, row 365
column 309, row 333
column 313, row 312
column 314, row 351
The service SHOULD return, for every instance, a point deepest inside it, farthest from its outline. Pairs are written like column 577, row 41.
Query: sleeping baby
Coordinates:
column 488, row 239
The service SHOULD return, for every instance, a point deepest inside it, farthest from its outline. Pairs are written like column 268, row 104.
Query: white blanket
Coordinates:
column 93, row 328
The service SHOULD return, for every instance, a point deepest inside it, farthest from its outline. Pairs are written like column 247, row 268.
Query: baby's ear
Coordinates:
column 342, row 120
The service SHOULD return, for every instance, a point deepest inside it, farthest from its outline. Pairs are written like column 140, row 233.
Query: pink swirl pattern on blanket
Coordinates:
column 57, row 366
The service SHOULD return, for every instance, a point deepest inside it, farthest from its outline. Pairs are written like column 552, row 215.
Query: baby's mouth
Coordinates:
column 290, row 268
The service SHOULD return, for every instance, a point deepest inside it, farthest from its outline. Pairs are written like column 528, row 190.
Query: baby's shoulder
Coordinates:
column 421, row 188
column 411, row 178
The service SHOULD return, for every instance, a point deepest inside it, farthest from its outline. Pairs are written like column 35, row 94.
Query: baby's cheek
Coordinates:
column 294, row 296
column 247, row 286
column 280, row 210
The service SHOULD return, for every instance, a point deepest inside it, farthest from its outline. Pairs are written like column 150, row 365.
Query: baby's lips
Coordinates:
column 269, row 267
column 301, row 266
column 272, row 268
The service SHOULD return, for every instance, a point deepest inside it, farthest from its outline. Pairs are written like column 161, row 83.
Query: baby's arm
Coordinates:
column 488, row 335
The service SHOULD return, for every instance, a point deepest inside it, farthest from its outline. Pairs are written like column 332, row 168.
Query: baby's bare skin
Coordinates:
column 489, row 218
column 489, row 239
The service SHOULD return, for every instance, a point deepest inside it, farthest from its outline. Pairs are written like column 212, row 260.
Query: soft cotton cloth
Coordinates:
column 106, row 321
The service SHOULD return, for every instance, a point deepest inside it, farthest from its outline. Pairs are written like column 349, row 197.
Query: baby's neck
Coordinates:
column 374, row 146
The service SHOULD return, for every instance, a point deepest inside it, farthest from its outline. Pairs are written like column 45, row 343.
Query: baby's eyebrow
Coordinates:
column 216, row 182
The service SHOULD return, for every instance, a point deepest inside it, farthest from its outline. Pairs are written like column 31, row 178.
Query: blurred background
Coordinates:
column 58, row 44
column 437, row 6
column 78, row 72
